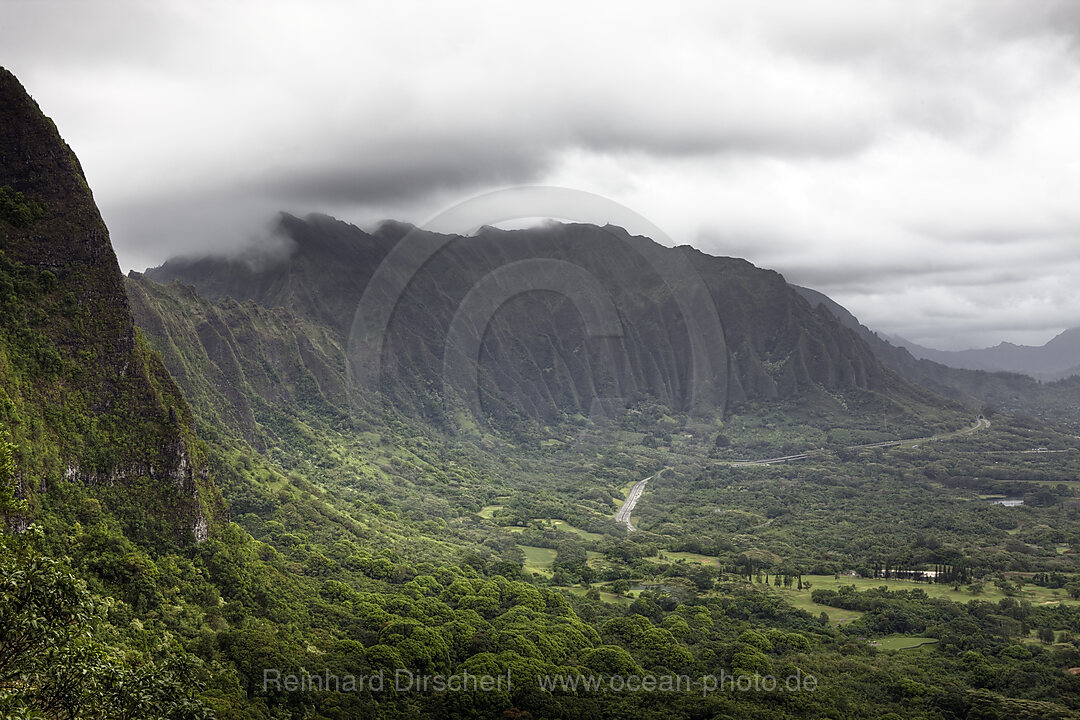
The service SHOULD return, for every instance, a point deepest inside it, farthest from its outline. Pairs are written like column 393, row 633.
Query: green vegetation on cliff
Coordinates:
column 82, row 397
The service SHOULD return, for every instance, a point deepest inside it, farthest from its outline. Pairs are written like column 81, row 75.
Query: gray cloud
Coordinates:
column 912, row 158
column 403, row 172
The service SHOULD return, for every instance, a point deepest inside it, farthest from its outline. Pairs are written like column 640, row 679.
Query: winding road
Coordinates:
column 979, row 425
column 623, row 516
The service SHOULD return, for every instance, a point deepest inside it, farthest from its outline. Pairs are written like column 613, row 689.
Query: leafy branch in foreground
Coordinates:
column 53, row 663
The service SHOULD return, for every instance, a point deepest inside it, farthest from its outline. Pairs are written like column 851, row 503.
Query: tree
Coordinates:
column 570, row 555
column 703, row 577
column 51, row 663
column 1073, row 588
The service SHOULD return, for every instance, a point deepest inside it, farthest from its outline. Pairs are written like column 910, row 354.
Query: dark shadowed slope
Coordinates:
column 537, row 359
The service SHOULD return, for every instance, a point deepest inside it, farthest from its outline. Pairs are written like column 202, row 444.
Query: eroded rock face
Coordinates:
column 536, row 359
column 103, row 409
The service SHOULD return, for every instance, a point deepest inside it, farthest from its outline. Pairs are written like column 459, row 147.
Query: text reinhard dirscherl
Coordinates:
column 407, row 681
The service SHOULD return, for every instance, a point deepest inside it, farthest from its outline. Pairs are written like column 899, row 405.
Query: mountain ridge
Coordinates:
column 537, row 363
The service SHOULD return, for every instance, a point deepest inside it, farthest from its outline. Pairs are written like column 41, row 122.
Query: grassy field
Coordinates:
column 488, row 512
column 1071, row 484
column 667, row 556
column 1032, row 593
column 564, row 526
column 802, row 601
column 605, row 595
column 902, row 642
column 837, row 616
column 537, row 559
column 550, row 524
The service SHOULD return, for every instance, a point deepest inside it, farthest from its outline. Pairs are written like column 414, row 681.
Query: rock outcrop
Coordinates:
column 81, row 394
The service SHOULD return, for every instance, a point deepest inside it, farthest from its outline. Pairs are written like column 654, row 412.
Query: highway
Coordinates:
column 771, row 461
column 623, row 516
column 979, row 424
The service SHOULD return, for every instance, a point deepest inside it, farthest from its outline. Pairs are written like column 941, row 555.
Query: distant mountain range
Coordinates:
column 1057, row 359
column 995, row 389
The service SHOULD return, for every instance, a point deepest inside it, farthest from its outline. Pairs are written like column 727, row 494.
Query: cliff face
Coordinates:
column 244, row 368
column 536, row 358
column 81, row 394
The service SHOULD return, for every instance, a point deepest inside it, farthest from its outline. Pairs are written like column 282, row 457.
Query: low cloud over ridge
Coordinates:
column 914, row 159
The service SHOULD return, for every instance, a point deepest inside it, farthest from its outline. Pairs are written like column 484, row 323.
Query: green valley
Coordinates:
column 206, row 487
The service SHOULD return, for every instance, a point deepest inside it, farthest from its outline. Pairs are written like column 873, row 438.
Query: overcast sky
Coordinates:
column 917, row 161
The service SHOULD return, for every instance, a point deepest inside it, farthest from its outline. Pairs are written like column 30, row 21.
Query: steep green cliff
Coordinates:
column 82, row 397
